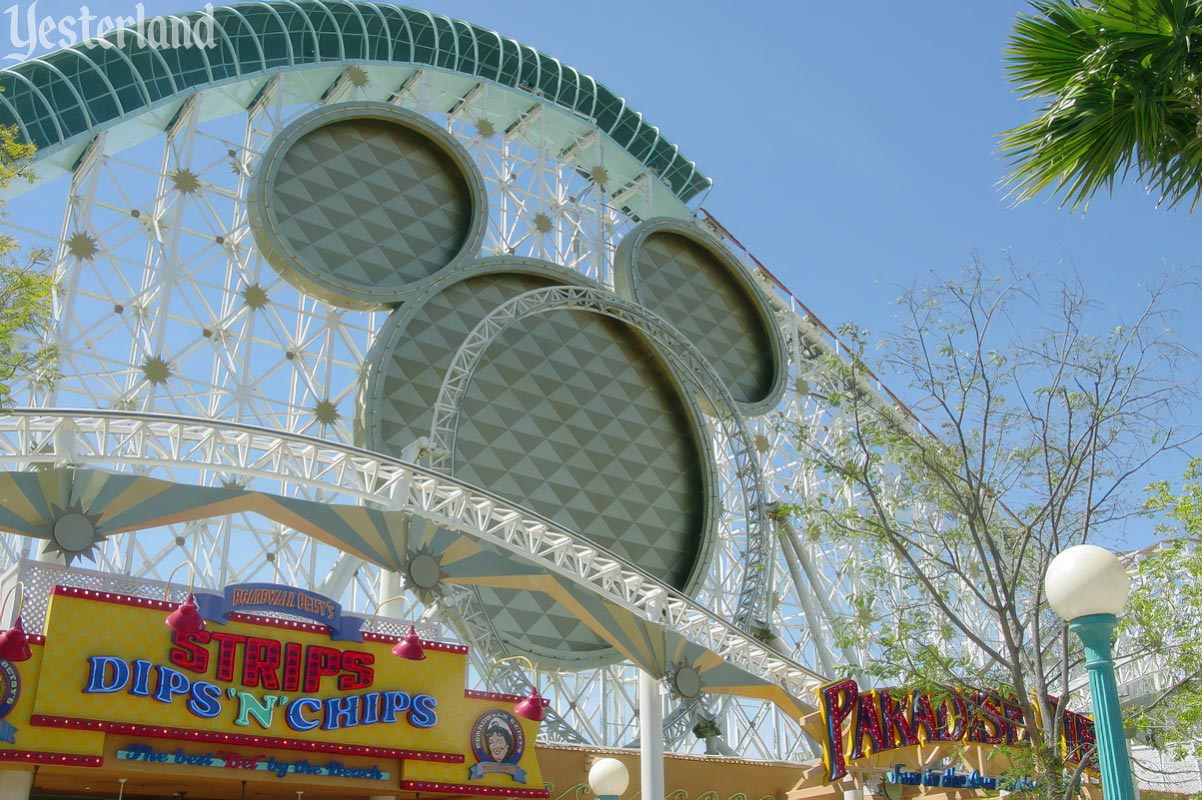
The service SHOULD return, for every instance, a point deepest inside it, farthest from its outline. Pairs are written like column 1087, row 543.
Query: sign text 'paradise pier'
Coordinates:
column 861, row 724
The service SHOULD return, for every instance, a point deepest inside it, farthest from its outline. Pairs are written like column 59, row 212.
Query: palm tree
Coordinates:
column 1121, row 84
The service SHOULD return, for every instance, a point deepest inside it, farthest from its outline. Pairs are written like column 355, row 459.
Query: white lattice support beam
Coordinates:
column 441, row 499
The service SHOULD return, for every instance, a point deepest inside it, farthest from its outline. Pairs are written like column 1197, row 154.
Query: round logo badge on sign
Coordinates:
column 10, row 687
column 498, row 744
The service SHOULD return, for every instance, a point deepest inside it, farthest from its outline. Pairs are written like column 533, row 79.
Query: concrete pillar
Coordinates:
column 15, row 784
column 651, row 737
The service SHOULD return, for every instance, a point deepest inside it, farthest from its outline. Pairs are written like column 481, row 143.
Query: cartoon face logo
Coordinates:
column 498, row 744
column 591, row 402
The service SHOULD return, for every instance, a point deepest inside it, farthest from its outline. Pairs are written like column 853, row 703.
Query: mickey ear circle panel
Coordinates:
column 574, row 414
column 684, row 276
column 362, row 204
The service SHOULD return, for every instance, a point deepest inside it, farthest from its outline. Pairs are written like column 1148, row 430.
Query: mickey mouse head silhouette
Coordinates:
column 590, row 405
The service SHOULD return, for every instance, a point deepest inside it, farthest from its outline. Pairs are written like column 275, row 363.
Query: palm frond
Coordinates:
column 1121, row 82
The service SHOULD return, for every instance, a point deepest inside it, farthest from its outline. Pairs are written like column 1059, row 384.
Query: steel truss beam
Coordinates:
column 146, row 440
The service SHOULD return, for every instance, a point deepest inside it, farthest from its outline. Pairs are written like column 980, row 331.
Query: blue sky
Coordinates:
column 849, row 151
column 852, row 146
column 849, row 144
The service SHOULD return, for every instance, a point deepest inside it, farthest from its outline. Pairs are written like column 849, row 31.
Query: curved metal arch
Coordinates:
column 638, row 128
column 233, row 51
column 577, row 81
column 453, row 50
column 333, row 20
column 591, row 115
column 689, row 364
column 283, row 29
column 500, row 54
column 98, row 72
column 537, row 84
column 378, row 15
column 308, row 26
column 72, row 88
column 145, row 44
column 367, row 36
column 433, row 27
column 208, row 63
column 133, row 70
column 583, row 98
column 548, row 75
column 458, row 23
column 124, row 438
column 518, row 50
column 387, row 11
column 619, row 113
column 51, row 112
column 234, row 12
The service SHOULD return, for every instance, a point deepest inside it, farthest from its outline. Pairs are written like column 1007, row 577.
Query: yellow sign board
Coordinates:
column 274, row 696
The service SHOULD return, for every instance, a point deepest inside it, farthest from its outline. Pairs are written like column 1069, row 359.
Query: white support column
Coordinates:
column 49, row 556
column 651, row 737
column 390, row 586
column 15, row 784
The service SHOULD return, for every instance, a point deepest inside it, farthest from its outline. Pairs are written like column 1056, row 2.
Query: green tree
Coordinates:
column 1120, row 82
column 1032, row 415
column 25, row 292
column 1161, row 623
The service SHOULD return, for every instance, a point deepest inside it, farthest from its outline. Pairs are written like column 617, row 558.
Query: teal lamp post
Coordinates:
column 1087, row 586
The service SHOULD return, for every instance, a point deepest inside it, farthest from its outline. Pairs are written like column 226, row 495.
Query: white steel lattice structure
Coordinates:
column 185, row 357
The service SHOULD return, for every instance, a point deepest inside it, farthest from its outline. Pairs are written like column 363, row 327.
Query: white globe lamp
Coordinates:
column 608, row 778
column 1086, row 580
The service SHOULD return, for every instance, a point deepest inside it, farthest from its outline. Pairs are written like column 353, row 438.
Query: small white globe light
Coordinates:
column 1085, row 580
column 608, row 777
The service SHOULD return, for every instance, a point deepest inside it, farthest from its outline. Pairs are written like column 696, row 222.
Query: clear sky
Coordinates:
column 852, row 145
column 849, row 144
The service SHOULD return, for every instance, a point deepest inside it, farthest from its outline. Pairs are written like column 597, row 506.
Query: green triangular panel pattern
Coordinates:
column 413, row 356
column 568, row 413
column 685, row 284
column 369, row 205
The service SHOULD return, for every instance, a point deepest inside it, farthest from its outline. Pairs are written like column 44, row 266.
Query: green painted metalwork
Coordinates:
column 77, row 91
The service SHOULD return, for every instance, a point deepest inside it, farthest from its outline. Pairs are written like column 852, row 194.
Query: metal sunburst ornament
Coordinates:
column 73, row 533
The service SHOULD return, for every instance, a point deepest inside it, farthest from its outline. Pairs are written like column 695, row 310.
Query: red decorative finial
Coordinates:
column 14, row 645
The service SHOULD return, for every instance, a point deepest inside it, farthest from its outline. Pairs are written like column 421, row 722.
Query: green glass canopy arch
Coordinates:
column 73, row 93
